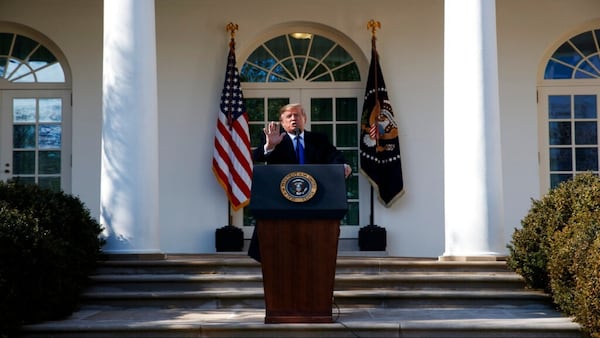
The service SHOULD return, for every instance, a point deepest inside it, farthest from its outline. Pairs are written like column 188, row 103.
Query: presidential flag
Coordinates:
column 232, row 160
column 379, row 146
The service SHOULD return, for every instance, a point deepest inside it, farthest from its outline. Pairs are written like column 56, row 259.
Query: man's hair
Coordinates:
column 289, row 107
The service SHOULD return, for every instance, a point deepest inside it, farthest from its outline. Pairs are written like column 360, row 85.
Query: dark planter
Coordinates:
column 372, row 238
column 229, row 238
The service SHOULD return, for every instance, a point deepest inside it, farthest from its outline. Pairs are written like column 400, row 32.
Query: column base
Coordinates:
column 155, row 256
column 472, row 258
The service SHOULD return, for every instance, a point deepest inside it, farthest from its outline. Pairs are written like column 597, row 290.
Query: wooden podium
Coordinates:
column 298, row 211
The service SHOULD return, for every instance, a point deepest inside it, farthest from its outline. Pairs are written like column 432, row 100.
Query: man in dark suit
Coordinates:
column 294, row 145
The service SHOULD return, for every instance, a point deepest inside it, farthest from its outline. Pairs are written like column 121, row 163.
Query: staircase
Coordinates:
column 221, row 296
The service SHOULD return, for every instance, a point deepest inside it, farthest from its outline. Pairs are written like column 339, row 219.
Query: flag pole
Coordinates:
column 231, row 28
column 373, row 26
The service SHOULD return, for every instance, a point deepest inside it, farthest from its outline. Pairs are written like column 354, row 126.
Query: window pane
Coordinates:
column 51, row 183
column 351, row 157
column 249, row 219
column 321, row 109
column 50, row 110
column 24, row 136
column 23, row 46
column 352, row 187
column 256, row 133
column 274, row 105
column 24, row 180
column 585, row 43
column 352, row 216
column 23, row 110
column 346, row 109
column 326, row 129
column 346, row 135
column 347, row 73
column 560, row 133
column 23, row 162
column 557, row 71
column 320, row 74
column 53, row 73
column 320, row 47
column 50, row 136
column 250, row 73
column 41, row 57
column 586, row 133
column 585, row 106
column 337, row 57
column 567, row 54
column 2, row 66
column 255, row 108
column 49, row 162
column 586, row 71
column 299, row 46
column 556, row 179
column 561, row 159
column 586, row 159
column 5, row 43
column 322, row 77
column 559, row 106
column 262, row 58
column 279, row 47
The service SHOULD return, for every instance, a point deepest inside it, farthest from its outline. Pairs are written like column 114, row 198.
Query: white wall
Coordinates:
column 192, row 49
column 526, row 32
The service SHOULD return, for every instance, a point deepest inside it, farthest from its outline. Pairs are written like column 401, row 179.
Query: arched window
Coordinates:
column 23, row 60
column 294, row 56
column 322, row 72
column 569, row 109
column 35, row 109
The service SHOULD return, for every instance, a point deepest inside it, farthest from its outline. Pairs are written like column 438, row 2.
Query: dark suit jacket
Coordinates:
column 317, row 150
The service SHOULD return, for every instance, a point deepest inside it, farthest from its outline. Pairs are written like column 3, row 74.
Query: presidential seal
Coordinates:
column 298, row 186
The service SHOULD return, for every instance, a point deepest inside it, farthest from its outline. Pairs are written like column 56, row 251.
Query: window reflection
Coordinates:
column 286, row 59
column 24, row 60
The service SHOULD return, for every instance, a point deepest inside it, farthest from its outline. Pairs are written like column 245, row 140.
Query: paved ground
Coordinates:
column 534, row 317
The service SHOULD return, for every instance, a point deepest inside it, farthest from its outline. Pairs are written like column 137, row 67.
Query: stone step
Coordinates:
column 233, row 298
column 407, row 280
column 222, row 296
column 241, row 264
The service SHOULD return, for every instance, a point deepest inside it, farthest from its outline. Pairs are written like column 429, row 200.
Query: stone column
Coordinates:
column 129, row 173
column 472, row 153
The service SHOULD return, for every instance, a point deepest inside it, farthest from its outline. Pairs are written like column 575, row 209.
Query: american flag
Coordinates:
column 232, row 160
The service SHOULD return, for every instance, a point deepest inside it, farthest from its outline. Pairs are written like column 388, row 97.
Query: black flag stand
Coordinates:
column 372, row 237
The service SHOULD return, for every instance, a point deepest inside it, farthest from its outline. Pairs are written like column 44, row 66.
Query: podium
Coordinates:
column 298, row 210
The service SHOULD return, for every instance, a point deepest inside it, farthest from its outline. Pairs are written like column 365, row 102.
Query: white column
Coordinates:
column 472, row 153
column 129, row 174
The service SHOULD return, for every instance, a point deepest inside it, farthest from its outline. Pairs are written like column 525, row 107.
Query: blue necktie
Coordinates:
column 299, row 150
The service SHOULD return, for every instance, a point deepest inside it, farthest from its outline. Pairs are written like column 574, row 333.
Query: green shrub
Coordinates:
column 558, row 249
column 530, row 246
column 49, row 245
column 569, row 253
column 587, row 297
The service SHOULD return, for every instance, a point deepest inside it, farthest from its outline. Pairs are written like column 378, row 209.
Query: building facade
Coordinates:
column 116, row 102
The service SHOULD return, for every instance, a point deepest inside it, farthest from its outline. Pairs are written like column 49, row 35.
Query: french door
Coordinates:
column 334, row 112
column 35, row 137
column 568, row 133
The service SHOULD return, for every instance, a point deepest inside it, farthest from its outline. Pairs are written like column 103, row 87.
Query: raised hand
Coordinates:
column 273, row 135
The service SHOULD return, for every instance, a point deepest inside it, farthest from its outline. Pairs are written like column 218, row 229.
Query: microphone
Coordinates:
column 296, row 131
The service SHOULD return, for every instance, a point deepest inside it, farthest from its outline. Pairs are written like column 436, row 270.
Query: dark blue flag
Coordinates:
column 379, row 145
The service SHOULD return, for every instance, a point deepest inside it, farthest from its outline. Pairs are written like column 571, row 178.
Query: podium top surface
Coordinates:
column 307, row 191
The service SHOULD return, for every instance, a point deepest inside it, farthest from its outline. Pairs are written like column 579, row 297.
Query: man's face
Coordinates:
column 293, row 118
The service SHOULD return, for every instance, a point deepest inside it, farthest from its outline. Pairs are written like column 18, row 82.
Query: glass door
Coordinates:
column 569, row 138
column 35, row 141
